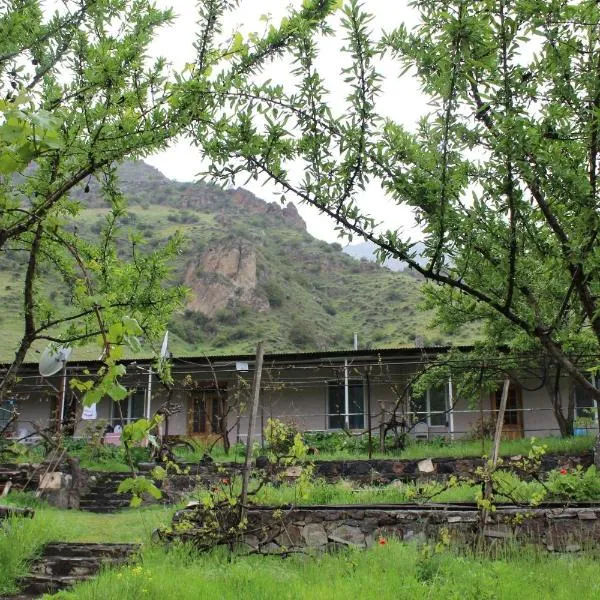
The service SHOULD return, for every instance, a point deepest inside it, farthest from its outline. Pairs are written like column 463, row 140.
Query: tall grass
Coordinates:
column 21, row 539
column 438, row 448
column 391, row 571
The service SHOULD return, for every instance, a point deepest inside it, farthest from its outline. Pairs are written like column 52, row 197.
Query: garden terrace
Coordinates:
column 272, row 530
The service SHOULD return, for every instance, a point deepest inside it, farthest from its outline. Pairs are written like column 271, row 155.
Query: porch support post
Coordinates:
column 149, row 395
column 63, row 398
column 451, row 407
column 346, row 397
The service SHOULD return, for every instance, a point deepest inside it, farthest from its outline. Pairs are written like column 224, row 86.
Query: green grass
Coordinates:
column 22, row 539
column 435, row 449
column 391, row 571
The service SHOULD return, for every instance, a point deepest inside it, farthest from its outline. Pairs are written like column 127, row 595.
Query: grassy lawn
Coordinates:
column 433, row 449
column 21, row 539
column 394, row 570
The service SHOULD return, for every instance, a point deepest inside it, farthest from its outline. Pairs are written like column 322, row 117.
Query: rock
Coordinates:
column 587, row 515
column 292, row 473
column 345, row 534
column 426, row 466
column 499, row 531
column 271, row 548
column 290, row 537
column 51, row 481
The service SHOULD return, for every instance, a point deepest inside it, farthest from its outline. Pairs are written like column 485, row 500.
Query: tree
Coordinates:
column 80, row 95
column 501, row 175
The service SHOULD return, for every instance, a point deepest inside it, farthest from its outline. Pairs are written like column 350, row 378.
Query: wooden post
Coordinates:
column 500, row 422
column 369, row 424
column 252, row 423
column 496, row 448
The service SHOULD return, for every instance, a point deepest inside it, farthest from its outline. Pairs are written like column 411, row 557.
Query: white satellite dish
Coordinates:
column 164, row 352
column 53, row 359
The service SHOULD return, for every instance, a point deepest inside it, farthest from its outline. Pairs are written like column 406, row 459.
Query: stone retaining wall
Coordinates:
column 304, row 529
column 385, row 471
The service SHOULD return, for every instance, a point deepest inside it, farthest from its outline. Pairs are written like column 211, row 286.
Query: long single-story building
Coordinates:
column 319, row 391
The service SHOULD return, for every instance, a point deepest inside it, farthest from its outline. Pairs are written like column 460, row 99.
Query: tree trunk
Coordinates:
column 565, row 423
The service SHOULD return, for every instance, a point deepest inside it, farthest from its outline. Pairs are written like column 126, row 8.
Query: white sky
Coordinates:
column 400, row 98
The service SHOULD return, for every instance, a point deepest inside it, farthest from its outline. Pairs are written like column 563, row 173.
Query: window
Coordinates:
column 335, row 404
column 432, row 407
column 585, row 406
column 132, row 408
column 6, row 412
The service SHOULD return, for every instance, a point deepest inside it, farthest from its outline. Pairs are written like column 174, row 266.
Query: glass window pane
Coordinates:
column 356, row 405
column 584, row 404
column 137, row 405
column 437, row 406
column 419, row 407
column 335, row 403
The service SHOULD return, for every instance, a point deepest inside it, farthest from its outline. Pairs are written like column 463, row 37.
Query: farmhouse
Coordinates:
column 355, row 390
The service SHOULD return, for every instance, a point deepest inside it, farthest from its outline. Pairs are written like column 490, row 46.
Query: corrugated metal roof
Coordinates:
column 279, row 356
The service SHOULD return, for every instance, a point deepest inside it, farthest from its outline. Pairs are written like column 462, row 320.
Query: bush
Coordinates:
column 274, row 294
column 301, row 335
column 577, row 484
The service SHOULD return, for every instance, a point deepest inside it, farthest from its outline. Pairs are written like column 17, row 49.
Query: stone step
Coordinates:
column 88, row 549
column 103, row 495
column 104, row 502
column 72, row 566
column 37, row 585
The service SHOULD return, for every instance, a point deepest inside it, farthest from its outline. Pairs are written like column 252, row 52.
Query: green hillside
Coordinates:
column 253, row 272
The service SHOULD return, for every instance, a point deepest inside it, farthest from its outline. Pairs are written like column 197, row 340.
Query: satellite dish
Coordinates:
column 164, row 352
column 53, row 359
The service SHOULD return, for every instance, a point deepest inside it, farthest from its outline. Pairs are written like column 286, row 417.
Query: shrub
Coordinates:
column 577, row 484
column 301, row 334
column 274, row 294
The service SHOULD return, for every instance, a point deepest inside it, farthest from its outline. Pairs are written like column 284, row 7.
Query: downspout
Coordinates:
column 63, row 397
column 346, row 397
column 451, row 408
column 149, row 399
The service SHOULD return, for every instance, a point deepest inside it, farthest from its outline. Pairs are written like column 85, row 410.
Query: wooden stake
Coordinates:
column 500, row 422
column 252, row 423
column 496, row 447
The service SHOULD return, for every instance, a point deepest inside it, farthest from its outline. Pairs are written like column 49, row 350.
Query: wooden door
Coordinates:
column 204, row 414
column 513, row 416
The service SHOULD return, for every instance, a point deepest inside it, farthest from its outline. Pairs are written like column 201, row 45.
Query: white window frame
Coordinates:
column 425, row 416
column 593, row 408
column 341, row 384
column 116, row 419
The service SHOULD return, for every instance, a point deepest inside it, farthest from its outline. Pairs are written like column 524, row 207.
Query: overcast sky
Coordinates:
column 400, row 98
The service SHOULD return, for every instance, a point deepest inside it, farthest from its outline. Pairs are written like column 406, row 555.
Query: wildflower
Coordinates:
column 563, row 471
column 225, row 481
column 382, row 541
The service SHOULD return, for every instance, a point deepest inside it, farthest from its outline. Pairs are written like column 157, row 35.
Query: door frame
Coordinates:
column 514, row 431
column 220, row 392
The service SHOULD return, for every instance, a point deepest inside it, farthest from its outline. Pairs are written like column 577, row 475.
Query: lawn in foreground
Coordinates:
column 391, row 571
column 22, row 539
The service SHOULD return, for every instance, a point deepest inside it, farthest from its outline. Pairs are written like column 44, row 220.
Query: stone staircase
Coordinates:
column 65, row 564
column 102, row 496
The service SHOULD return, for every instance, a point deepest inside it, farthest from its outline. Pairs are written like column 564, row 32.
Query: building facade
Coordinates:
column 318, row 391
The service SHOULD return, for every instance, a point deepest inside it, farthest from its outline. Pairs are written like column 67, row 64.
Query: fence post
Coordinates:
column 252, row 423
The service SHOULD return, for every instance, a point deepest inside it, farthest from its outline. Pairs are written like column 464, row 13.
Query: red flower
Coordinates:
column 563, row 471
column 225, row 481
column 382, row 541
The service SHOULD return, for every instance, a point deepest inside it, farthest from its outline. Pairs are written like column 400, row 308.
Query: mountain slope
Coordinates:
column 253, row 272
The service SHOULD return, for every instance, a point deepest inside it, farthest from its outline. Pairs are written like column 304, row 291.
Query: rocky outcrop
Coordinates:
column 250, row 204
column 224, row 273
